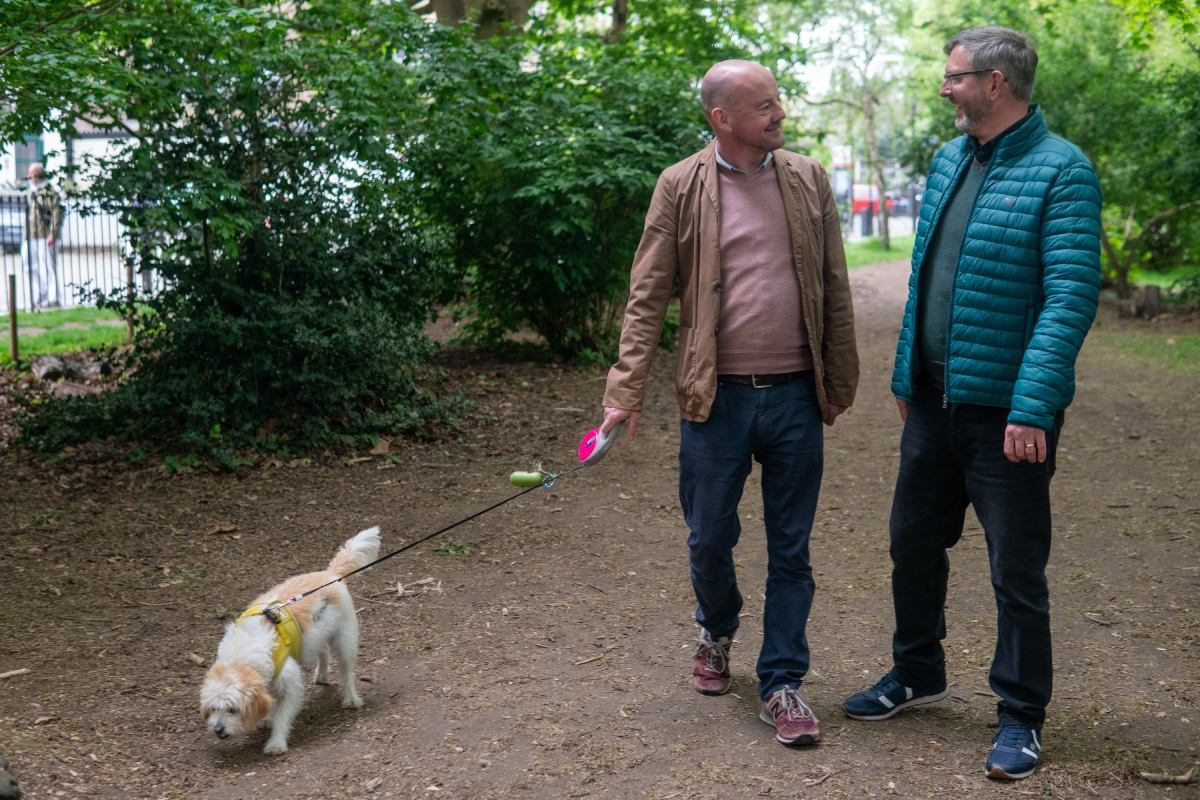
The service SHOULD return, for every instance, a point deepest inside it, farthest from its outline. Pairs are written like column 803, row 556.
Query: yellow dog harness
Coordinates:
column 287, row 632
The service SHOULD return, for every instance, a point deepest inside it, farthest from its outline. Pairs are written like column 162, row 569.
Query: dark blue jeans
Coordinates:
column 949, row 458
column 779, row 427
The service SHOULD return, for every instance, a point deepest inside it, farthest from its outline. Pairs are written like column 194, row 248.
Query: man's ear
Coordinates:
column 718, row 118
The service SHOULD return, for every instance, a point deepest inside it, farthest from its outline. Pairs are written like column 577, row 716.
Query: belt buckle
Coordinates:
column 754, row 383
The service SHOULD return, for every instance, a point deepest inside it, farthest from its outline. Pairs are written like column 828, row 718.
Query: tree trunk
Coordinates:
column 1120, row 267
column 868, row 107
column 491, row 15
column 620, row 16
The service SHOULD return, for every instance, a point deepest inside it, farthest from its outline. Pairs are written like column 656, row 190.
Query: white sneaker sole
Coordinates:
column 916, row 701
column 998, row 773
column 806, row 738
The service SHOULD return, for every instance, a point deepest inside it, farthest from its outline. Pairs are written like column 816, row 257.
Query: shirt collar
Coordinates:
column 766, row 162
column 983, row 152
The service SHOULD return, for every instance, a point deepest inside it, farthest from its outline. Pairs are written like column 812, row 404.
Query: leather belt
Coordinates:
column 762, row 381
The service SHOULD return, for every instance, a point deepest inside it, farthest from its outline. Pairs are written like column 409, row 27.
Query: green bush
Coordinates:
column 270, row 193
column 548, row 171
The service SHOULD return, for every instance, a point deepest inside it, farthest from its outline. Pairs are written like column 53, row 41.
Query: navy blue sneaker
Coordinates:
column 1015, row 752
column 888, row 697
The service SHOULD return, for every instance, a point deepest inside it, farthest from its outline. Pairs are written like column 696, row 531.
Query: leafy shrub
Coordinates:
column 268, row 191
column 548, row 163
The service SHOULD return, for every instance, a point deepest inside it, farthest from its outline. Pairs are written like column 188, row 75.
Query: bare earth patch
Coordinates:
column 542, row 651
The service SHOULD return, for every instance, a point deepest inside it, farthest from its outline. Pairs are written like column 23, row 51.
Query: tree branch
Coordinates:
column 9, row 49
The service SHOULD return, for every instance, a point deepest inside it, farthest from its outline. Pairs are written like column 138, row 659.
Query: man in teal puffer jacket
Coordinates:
column 1005, row 280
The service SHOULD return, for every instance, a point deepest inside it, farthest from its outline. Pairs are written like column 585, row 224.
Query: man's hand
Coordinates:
column 614, row 415
column 1024, row 443
column 832, row 412
column 903, row 406
column 50, row 241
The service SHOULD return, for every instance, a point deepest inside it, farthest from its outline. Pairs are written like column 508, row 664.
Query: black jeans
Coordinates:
column 949, row 458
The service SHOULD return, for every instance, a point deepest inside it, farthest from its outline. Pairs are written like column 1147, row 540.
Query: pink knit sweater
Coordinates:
column 761, row 327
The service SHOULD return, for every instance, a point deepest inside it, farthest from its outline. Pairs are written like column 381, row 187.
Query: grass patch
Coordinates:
column 67, row 330
column 1164, row 280
column 868, row 251
column 1177, row 352
column 449, row 547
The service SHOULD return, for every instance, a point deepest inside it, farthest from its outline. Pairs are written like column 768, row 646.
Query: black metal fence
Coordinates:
column 93, row 252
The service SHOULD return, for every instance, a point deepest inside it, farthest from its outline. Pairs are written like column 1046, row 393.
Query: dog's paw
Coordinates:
column 321, row 679
column 274, row 748
column 353, row 701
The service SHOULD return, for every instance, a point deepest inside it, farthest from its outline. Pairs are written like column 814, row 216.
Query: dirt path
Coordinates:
column 551, row 660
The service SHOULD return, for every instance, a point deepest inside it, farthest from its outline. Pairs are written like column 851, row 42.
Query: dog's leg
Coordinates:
column 321, row 675
column 345, row 642
column 291, row 688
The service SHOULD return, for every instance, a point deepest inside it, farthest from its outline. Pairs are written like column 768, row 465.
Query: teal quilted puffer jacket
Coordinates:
column 1028, row 276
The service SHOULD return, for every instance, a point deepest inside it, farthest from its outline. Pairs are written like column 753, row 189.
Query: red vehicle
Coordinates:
column 865, row 194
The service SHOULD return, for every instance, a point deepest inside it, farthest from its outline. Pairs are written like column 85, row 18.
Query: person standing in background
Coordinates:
column 43, row 228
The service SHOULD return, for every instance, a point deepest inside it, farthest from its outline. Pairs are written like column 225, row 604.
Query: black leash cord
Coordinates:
column 271, row 612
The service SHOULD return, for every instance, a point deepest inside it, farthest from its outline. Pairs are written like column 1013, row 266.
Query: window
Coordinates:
column 30, row 151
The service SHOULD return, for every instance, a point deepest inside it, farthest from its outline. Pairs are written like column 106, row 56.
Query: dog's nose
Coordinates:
column 220, row 731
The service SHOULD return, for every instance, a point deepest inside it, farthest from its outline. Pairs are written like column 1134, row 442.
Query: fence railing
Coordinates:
column 93, row 252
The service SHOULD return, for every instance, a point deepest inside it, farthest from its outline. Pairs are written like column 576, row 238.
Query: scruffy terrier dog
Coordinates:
column 257, row 675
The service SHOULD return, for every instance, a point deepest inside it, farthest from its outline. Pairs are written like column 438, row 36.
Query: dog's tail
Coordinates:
column 362, row 548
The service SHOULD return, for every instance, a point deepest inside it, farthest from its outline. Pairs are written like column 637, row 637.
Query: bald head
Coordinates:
column 36, row 172
column 724, row 80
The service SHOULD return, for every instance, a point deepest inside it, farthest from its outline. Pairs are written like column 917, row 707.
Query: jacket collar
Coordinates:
column 1015, row 141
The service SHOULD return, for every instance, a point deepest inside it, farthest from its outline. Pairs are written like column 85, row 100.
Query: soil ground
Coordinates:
column 542, row 651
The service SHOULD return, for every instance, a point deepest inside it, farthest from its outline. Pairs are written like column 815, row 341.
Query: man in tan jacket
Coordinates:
column 766, row 354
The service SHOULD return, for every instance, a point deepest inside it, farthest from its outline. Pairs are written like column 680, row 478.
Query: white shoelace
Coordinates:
column 794, row 707
column 717, row 660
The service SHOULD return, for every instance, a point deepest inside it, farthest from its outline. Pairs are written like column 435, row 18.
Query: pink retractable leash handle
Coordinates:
column 596, row 443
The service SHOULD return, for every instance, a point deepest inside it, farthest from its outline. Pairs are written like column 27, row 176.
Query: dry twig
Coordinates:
column 1166, row 777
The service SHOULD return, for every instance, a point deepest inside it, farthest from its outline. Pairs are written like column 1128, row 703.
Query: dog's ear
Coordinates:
column 258, row 704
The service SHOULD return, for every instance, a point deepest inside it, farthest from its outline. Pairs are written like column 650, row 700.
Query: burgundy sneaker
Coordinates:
column 794, row 721
column 710, row 664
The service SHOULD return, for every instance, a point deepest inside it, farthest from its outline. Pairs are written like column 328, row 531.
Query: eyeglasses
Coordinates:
column 955, row 76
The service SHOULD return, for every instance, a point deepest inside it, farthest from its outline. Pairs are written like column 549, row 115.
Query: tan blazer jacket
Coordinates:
column 681, row 240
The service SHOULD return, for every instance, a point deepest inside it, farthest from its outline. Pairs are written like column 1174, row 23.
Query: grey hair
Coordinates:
column 1004, row 49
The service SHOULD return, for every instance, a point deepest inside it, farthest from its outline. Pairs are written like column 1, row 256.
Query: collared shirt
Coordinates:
column 766, row 161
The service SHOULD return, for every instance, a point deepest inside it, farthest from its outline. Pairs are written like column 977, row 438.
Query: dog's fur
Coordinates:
column 242, row 691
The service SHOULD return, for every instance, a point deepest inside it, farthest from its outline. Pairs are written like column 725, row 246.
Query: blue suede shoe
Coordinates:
column 1015, row 752
column 888, row 697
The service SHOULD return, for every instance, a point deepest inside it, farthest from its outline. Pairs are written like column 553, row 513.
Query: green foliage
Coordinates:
column 269, row 191
column 547, row 171
column 1116, row 78
column 312, row 180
